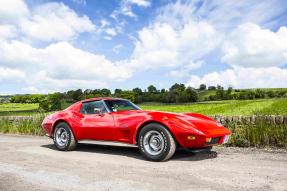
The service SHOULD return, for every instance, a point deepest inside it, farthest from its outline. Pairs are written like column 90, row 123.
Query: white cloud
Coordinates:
column 116, row 49
column 251, row 46
column 7, row 31
column 126, row 8
column 141, row 3
column 177, row 41
column 7, row 74
column 11, row 11
column 60, row 64
column 104, row 23
column 55, row 22
column 162, row 45
column 225, row 15
column 184, row 71
column 111, row 31
column 243, row 78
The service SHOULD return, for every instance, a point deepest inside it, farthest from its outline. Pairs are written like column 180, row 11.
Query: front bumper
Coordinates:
column 202, row 141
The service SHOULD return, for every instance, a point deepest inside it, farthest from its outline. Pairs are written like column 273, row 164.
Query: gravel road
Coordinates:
column 32, row 163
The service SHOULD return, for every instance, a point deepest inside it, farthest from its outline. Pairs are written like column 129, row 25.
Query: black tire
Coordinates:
column 70, row 141
column 208, row 149
column 167, row 143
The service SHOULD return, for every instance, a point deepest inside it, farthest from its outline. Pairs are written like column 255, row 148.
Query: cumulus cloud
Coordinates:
column 55, row 22
column 243, row 78
column 251, row 46
column 11, row 74
column 178, row 41
column 162, row 45
column 60, row 61
column 12, row 11
column 59, row 65
column 7, row 31
column 184, row 71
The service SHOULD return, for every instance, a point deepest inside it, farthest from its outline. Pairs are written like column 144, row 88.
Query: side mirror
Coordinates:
column 98, row 111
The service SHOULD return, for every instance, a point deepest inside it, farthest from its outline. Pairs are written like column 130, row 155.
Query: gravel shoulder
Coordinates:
column 32, row 163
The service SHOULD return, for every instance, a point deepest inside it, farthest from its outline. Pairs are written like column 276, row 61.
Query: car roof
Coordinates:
column 101, row 98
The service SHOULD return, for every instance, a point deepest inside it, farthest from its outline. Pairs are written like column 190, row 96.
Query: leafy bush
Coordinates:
column 51, row 103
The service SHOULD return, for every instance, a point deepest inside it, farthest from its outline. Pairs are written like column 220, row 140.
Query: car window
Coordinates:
column 120, row 105
column 89, row 107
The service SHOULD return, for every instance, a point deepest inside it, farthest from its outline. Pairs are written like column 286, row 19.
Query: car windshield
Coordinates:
column 120, row 105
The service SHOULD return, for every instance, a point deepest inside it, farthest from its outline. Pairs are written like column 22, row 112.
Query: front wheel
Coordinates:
column 156, row 142
column 64, row 138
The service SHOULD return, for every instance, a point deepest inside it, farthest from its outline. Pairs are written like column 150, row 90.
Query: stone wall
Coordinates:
column 269, row 119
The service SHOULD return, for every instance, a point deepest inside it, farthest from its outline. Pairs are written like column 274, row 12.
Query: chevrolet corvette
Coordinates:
column 157, row 134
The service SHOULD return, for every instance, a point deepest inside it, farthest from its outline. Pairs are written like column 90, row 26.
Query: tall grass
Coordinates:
column 259, row 134
column 17, row 125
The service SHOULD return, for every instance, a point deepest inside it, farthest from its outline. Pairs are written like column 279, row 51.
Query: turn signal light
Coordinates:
column 208, row 140
column 191, row 137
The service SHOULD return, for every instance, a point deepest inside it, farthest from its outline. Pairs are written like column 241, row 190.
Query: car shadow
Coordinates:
column 133, row 152
column 187, row 155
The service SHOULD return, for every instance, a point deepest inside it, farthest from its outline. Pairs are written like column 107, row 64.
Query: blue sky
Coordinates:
column 48, row 46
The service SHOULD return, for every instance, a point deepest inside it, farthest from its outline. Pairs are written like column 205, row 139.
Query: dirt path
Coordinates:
column 32, row 163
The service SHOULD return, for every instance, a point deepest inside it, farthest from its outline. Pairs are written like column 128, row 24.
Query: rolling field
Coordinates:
column 18, row 109
column 229, row 107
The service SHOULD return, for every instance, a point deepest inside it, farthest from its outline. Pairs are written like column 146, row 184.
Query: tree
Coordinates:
column 52, row 102
column 192, row 95
column 228, row 95
column 118, row 91
column 220, row 92
column 137, row 91
column 175, row 92
column 151, row 89
column 77, row 95
column 202, row 87
column 259, row 93
column 271, row 94
column 177, row 87
column 211, row 88
column 130, row 95
column 105, row 92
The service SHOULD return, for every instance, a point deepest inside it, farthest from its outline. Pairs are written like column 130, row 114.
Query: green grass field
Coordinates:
column 21, row 109
column 228, row 108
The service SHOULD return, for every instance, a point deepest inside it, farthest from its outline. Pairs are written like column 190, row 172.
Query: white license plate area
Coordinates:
column 226, row 138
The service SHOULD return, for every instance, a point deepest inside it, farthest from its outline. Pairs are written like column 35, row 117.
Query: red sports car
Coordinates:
column 156, row 133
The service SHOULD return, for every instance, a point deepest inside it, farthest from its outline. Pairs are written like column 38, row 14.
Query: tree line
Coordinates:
column 177, row 93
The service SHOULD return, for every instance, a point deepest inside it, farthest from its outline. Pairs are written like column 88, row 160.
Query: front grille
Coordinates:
column 214, row 140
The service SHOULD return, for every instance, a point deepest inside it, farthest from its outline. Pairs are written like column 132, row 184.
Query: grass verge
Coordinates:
column 18, row 125
column 259, row 134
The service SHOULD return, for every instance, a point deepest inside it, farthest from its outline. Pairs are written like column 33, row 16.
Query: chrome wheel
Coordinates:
column 61, row 137
column 153, row 142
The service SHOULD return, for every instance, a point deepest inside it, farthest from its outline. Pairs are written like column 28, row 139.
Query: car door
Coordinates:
column 97, row 122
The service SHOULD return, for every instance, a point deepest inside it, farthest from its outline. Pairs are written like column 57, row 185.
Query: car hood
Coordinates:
column 193, row 120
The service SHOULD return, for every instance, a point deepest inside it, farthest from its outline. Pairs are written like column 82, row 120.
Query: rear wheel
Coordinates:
column 156, row 142
column 64, row 138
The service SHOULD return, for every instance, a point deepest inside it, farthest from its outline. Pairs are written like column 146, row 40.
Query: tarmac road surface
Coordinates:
column 33, row 163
